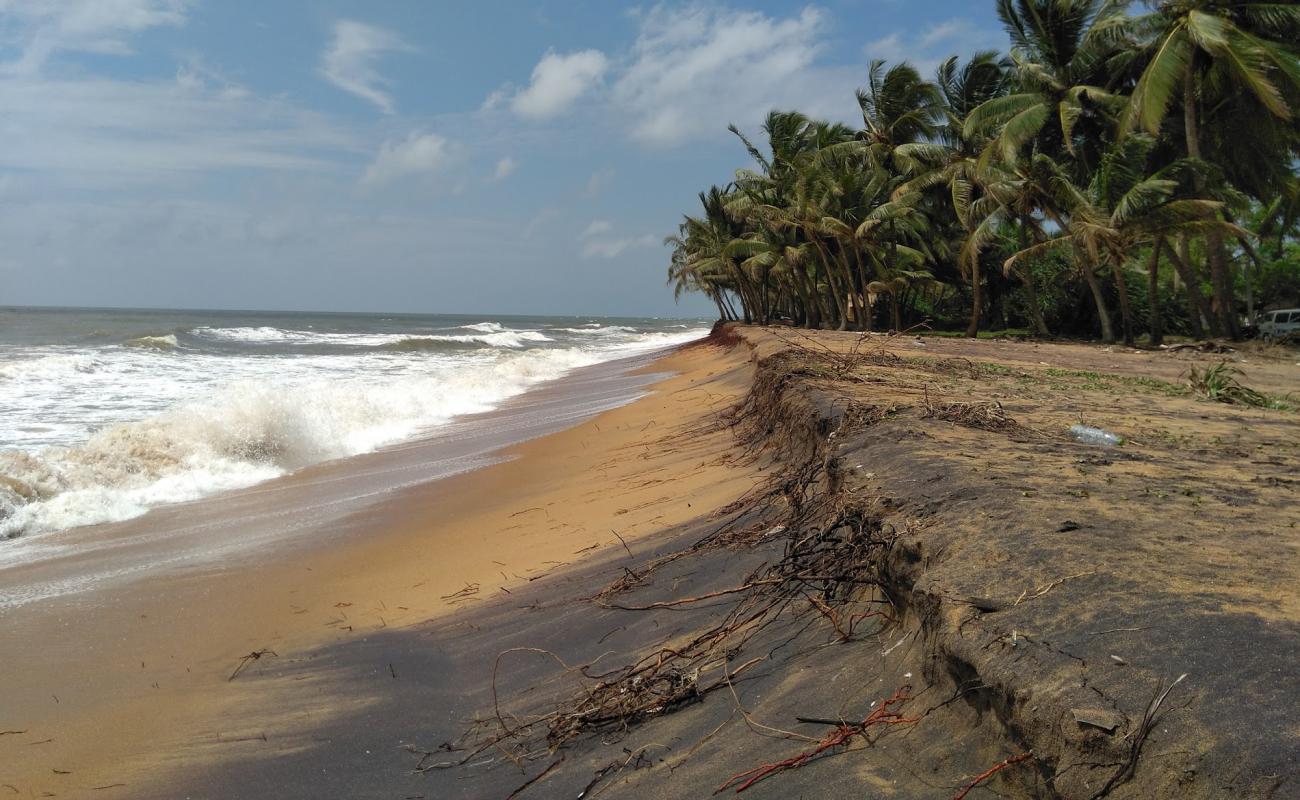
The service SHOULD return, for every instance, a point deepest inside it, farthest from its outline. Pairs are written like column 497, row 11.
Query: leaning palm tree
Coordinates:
column 1207, row 52
column 952, row 161
column 1122, row 210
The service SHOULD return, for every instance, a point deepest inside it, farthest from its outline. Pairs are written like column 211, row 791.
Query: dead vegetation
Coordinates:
column 834, row 544
column 1220, row 383
column 826, row 574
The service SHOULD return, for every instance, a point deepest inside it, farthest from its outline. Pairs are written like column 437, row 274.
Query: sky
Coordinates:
column 524, row 157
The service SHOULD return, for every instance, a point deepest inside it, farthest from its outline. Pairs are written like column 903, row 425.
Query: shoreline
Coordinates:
column 244, row 522
column 151, row 659
column 1032, row 596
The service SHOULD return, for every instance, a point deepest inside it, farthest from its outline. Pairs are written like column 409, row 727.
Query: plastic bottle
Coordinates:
column 1090, row 435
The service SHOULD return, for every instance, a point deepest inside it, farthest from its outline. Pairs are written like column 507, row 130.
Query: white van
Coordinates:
column 1279, row 324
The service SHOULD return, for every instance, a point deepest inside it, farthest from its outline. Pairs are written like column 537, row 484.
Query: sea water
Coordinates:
column 105, row 414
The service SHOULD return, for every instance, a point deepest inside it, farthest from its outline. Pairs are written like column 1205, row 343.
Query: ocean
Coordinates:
column 105, row 414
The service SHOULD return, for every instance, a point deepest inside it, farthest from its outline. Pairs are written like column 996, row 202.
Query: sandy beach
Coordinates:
column 131, row 685
column 813, row 564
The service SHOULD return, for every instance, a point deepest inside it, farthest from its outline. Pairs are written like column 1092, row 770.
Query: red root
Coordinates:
column 991, row 771
column 884, row 715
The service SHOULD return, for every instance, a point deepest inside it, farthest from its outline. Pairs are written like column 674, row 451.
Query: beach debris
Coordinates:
column 986, row 604
column 1047, row 587
column 539, row 776
column 1099, row 718
column 1139, row 738
column 1086, row 434
column 843, row 733
column 256, row 655
column 987, row 416
column 1220, row 383
column 1118, row 659
column 464, row 595
column 636, row 759
column 622, row 542
column 990, row 772
column 1200, row 347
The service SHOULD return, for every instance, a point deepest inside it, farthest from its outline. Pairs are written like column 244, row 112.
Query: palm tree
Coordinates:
column 1208, row 51
column 1057, row 76
column 1122, row 210
column 1072, row 142
column 953, row 162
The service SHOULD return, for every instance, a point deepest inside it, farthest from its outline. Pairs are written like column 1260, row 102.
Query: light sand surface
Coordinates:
column 106, row 693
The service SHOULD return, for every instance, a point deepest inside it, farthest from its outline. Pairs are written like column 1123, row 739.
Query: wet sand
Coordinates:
column 123, row 686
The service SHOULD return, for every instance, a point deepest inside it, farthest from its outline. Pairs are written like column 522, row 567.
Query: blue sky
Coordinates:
column 510, row 157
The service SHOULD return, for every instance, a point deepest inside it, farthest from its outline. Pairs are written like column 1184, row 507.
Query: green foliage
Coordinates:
column 1143, row 162
column 1220, row 383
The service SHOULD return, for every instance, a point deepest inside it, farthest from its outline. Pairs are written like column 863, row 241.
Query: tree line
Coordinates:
column 1119, row 166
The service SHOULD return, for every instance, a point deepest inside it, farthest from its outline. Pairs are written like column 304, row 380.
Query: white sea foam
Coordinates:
column 49, row 366
column 491, row 334
column 178, row 428
column 166, row 342
column 598, row 330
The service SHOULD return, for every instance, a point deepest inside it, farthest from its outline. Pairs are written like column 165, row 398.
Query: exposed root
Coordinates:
column 990, row 772
column 884, row 714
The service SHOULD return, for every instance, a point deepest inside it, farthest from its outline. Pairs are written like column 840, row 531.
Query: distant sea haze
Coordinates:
column 108, row 413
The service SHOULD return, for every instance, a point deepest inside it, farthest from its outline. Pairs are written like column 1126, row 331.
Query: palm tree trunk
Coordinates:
column 1179, row 257
column 838, row 296
column 812, row 311
column 723, row 314
column 1026, row 276
column 860, row 292
column 1224, row 319
column 973, row 329
column 1098, row 299
column 1153, row 293
column 1125, row 309
column 1035, row 310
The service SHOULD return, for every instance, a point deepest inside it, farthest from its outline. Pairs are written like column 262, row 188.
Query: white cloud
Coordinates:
column 945, row 31
column 497, row 98
column 597, row 227
column 926, row 49
column 539, row 222
column 505, row 168
column 558, row 82
column 613, row 248
column 695, row 69
column 348, row 62
column 417, row 153
column 100, row 129
column 598, row 181
column 92, row 26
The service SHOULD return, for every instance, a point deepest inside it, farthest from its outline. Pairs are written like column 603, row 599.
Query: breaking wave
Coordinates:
column 53, row 366
column 248, row 432
column 489, row 334
column 598, row 330
column 167, row 342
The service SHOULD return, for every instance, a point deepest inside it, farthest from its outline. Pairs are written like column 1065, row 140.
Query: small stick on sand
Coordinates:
column 990, row 772
column 250, row 658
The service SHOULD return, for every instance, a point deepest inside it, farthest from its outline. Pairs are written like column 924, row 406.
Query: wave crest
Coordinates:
column 247, row 433
column 54, row 366
column 167, row 342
